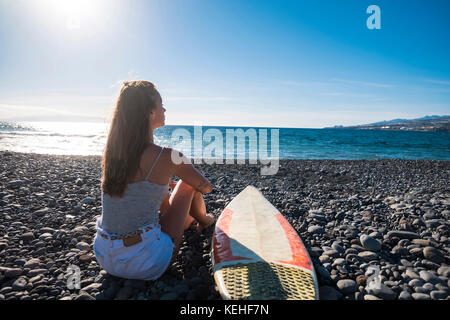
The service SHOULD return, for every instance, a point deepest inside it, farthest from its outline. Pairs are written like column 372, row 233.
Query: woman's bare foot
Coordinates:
column 209, row 221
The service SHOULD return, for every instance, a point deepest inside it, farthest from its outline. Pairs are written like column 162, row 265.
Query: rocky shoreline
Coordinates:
column 353, row 215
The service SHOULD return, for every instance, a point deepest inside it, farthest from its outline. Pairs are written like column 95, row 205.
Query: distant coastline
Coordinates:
column 427, row 123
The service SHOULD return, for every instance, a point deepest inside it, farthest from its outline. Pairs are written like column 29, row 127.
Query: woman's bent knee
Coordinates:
column 181, row 185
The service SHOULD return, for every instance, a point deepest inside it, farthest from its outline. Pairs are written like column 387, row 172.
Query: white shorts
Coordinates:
column 146, row 260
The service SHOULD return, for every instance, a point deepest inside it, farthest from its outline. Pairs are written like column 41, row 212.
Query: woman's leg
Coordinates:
column 176, row 211
column 175, row 218
column 198, row 212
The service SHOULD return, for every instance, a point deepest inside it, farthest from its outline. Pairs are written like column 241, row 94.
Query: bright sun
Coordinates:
column 76, row 13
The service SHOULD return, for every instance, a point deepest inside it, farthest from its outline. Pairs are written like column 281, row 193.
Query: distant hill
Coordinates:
column 427, row 123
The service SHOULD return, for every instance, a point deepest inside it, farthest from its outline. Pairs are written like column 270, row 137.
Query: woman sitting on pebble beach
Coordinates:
column 142, row 224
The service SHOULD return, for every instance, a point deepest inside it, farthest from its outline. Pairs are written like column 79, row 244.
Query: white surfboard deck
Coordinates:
column 256, row 254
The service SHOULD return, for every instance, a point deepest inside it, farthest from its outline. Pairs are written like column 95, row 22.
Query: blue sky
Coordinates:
column 307, row 64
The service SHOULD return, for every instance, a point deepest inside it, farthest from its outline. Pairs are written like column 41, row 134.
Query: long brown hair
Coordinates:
column 128, row 135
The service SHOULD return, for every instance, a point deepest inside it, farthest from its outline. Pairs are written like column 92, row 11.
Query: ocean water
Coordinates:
column 88, row 138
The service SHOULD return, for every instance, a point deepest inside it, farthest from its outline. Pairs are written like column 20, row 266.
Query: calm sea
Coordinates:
column 87, row 138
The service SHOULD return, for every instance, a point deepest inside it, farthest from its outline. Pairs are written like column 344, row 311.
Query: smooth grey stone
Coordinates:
column 434, row 223
column 331, row 253
column 418, row 252
column 83, row 246
column 367, row 256
column 428, row 287
column 404, row 295
column 406, row 263
column 416, row 283
column 337, row 247
column 370, row 243
column 92, row 287
column 316, row 230
column 88, row 200
column 430, row 265
column 35, row 272
column 383, row 292
column 347, row 286
column 438, row 294
column 32, row 263
column 429, row 277
column 27, row 237
column 13, row 272
column 444, row 271
column 420, row 296
column 403, row 234
column 339, row 262
column 410, row 273
column 19, row 284
column 323, row 272
column 433, row 254
column 324, row 259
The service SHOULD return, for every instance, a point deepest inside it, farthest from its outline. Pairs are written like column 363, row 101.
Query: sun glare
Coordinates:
column 76, row 14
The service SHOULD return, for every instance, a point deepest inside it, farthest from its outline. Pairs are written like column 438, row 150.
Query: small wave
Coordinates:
column 12, row 126
column 50, row 134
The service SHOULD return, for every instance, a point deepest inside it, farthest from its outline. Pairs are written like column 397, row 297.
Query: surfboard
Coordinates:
column 257, row 255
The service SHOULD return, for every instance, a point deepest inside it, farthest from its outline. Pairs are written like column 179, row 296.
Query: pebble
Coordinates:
column 339, row 262
column 83, row 246
column 35, row 272
column 402, row 234
column 427, row 276
column 19, row 284
column 13, row 272
column 367, row 256
column 32, row 263
column 92, row 287
column 27, row 237
column 406, row 263
column 439, row 295
column 420, row 296
column 347, row 286
column 383, row 292
column 404, row 295
column 88, row 200
column 370, row 243
column 444, row 271
column 433, row 254
column 416, row 283
column 316, row 230
column 331, row 253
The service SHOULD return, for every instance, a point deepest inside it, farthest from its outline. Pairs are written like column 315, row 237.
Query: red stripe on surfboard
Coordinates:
column 299, row 254
column 222, row 248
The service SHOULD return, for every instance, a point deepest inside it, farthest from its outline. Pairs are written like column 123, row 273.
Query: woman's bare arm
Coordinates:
column 183, row 168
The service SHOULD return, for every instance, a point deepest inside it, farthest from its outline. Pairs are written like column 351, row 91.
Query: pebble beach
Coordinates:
column 351, row 215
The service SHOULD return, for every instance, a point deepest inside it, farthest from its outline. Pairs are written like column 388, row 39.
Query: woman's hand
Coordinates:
column 172, row 184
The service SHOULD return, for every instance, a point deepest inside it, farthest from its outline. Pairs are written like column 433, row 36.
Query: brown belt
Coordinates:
column 128, row 239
